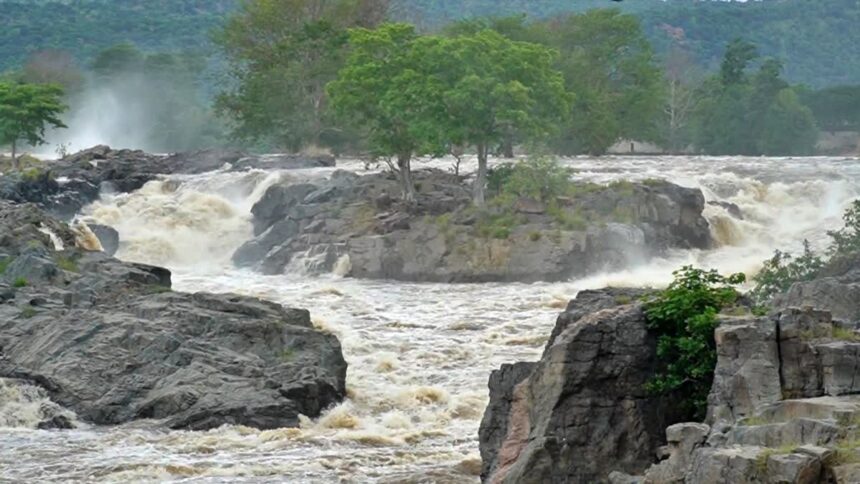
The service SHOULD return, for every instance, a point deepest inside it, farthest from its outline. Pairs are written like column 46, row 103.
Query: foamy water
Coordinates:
column 419, row 354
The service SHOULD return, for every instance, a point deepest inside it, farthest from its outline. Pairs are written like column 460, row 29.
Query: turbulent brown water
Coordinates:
column 419, row 354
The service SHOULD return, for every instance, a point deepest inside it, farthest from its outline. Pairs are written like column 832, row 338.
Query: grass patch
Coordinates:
column 28, row 312
column 846, row 452
column 19, row 283
column 4, row 264
column 753, row 421
column 535, row 236
column 623, row 187
column 623, row 299
column 845, row 334
column 158, row 289
column 497, row 226
column 66, row 263
column 288, row 354
column 573, row 219
column 763, row 456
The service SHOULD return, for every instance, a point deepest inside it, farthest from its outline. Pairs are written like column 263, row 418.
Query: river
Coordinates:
column 419, row 354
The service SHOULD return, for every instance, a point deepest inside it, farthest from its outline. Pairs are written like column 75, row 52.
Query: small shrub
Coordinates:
column 684, row 318
column 28, row 312
column 67, row 264
column 19, row 282
column 32, row 174
column 780, row 272
column 4, row 264
column 542, row 179
column 568, row 219
column 847, row 239
column 535, row 236
column 497, row 226
column 623, row 187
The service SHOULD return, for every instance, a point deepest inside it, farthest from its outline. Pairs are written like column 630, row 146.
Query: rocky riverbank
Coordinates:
column 783, row 408
column 112, row 342
column 356, row 226
column 64, row 186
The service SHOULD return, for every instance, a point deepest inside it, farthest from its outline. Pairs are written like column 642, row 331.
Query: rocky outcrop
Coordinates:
column 110, row 340
column 836, row 289
column 581, row 412
column 64, row 186
column 356, row 224
column 784, row 406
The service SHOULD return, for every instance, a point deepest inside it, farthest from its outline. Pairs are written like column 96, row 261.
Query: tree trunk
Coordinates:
column 14, row 159
column 481, row 177
column 508, row 149
column 407, row 187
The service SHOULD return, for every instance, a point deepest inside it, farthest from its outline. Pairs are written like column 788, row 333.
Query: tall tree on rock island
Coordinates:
column 416, row 95
column 26, row 110
column 494, row 88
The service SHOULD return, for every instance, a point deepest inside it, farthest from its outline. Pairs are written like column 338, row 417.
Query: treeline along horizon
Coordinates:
column 818, row 41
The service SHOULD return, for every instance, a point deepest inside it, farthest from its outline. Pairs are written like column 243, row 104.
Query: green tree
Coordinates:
column 26, row 110
column 759, row 114
column 381, row 89
column 493, row 89
column 608, row 63
column 282, row 53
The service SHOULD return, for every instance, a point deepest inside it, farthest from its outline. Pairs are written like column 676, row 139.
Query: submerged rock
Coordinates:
column 442, row 238
column 110, row 340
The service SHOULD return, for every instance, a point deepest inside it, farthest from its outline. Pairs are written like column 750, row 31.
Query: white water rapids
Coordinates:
column 419, row 354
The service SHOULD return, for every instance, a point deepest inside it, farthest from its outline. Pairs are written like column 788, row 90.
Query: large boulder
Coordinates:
column 582, row 411
column 110, row 340
column 442, row 238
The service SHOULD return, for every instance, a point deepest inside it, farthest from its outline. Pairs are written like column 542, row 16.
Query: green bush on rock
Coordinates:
column 684, row 317
column 782, row 270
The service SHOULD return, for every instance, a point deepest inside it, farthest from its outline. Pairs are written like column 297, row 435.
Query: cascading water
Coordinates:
column 419, row 354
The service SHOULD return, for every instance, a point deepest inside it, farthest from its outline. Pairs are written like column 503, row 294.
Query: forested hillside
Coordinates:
column 818, row 40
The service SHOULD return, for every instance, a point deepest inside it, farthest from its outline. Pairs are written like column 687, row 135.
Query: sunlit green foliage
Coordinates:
column 26, row 110
column 684, row 317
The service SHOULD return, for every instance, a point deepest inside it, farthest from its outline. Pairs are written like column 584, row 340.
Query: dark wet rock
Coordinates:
column 733, row 209
column 110, row 340
column 442, row 238
column 581, row 412
column 108, row 237
column 64, row 186
column 58, row 422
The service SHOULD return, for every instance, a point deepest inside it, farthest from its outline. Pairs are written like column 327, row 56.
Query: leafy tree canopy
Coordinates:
column 26, row 110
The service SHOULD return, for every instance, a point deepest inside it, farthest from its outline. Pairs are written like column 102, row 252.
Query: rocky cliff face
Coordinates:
column 110, row 340
column 783, row 408
column 355, row 223
column 580, row 412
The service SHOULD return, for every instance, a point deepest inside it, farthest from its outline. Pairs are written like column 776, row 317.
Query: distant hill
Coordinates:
column 819, row 40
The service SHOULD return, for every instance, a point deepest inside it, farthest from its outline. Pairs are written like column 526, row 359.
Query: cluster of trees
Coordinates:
column 738, row 112
column 283, row 54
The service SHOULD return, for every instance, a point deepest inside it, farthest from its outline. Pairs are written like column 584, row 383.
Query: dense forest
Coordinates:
column 817, row 40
